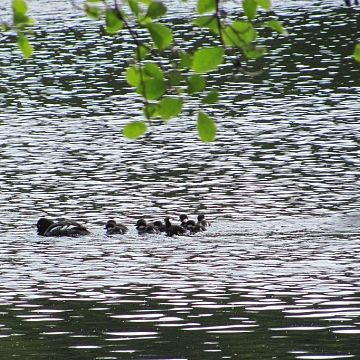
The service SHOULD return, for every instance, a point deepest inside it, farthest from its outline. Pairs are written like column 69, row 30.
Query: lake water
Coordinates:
column 276, row 276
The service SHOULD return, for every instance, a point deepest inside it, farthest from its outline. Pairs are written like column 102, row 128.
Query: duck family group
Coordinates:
column 47, row 227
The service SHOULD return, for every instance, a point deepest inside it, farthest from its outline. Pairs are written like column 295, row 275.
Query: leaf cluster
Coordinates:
column 162, row 74
column 20, row 24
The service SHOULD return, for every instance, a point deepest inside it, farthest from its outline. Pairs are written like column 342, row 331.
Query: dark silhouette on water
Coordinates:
column 349, row 3
column 112, row 228
column 145, row 228
column 191, row 225
column 160, row 225
column 171, row 229
column 47, row 227
column 202, row 221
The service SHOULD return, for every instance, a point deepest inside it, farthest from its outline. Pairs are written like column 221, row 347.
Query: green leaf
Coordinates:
column 206, row 6
column 149, row 71
column 232, row 38
column 170, row 107
column 211, row 98
column 20, row 7
column 161, row 35
column 207, row 59
column 239, row 33
column 112, row 21
column 357, row 52
column 153, row 70
column 175, row 77
column 196, row 83
column 19, row 13
column 250, row 8
column 241, row 26
column 135, row 129
column 134, row 7
column 151, row 89
column 207, row 21
column 185, row 60
column 133, row 76
column 93, row 12
column 156, row 9
column 22, row 21
column 206, row 127
column 255, row 52
column 24, row 46
column 151, row 111
column 277, row 26
column 142, row 52
column 265, row 4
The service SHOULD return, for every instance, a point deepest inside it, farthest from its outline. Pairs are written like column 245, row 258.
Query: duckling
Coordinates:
column 191, row 225
column 183, row 220
column 47, row 227
column 159, row 225
column 173, row 229
column 202, row 221
column 112, row 227
column 194, row 227
column 144, row 228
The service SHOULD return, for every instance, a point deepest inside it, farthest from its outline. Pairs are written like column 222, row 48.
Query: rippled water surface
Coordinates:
column 276, row 276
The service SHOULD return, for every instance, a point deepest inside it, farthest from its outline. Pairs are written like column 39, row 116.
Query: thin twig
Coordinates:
column 218, row 20
column 138, row 53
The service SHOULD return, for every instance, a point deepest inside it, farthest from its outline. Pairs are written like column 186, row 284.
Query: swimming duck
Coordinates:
column 144, row 228
column 191, row 225
column 202, row 221
column 159, row 225
column 183, row 220
column 173, row 229
column 47, row 227
column 112, row 227
column 194, row 227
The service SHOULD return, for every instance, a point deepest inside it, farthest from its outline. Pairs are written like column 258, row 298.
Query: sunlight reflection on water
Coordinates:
column 276, row 275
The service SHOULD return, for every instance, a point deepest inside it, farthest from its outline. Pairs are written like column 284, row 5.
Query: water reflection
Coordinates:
column 227, row 292
column 251, row 287
column 278, row 152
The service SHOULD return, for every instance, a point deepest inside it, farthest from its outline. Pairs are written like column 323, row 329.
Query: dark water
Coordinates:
column 277, row 274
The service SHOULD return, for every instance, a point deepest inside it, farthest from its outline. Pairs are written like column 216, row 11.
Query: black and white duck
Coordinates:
column 47, row 227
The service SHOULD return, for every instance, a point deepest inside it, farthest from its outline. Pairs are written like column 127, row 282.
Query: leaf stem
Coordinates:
column 138, row 54
column 218, row 20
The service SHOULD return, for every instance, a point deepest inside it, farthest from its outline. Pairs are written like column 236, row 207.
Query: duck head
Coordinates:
column 42, row 225
column 158, row 223
column 140, row 223
column 110, row 224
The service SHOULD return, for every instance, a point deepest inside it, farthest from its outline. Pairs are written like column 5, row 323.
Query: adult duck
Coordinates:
column 112, row 228
column 47, row 227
